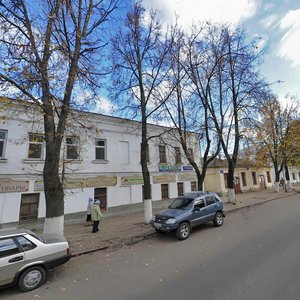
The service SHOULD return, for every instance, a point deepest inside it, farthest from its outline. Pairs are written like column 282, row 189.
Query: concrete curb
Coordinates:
column 132, row 240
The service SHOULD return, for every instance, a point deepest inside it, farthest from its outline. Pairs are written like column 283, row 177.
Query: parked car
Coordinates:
column 26, row 256
column 188, row 211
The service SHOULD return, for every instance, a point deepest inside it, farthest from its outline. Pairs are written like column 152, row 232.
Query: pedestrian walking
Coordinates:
column 96, row 215
column 282, row 183
column 89, row 211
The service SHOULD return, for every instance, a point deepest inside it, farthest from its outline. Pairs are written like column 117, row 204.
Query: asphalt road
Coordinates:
column 254, row 255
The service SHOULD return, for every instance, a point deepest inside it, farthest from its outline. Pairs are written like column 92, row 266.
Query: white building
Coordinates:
column 100, row 159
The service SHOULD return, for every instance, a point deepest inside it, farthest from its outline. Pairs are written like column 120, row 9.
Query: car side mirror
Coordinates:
column 197, row 208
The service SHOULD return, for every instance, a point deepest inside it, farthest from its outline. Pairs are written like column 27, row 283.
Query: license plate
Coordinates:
column 157, row 225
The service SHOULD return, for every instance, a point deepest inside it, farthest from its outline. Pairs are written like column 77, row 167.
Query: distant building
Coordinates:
column 247, row 177
column 100, row 158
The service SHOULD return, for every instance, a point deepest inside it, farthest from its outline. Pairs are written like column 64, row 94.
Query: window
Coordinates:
column 254, row 179
column 180, row 190
column 193, row 186
column 190, row 153
column 293, row 176
column 100, row 147
column 3, row 135
column 164, row 191
column 36, row 146
column 210, row 200
column 269, row 176
column 162, row 154
column 177, row 155
column 72, row 144
column 25, row 244
column 200, row 204
column 244, row 181
column 8, row 247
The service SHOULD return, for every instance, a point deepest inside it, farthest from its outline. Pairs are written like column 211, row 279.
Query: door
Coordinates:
column 262, row 183
column 180, row 188
column 11, row 260
column 199, row 213
column 29, row 208
column 101, row 195
column 237, row 185
column 164, row 191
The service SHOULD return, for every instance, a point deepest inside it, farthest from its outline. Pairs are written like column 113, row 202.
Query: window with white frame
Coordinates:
column 100, row 149
column 72, row 145
column 3, row 136
column 36, row 146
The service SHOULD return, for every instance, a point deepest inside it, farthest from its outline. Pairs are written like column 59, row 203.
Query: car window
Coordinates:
column 26, row 244
column 181, row 203
column 8, row 247
column 210, row 200
column 200, row 203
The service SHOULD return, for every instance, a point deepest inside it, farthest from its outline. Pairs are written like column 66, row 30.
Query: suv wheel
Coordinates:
column 218, row 220
column 183, row 231
column 31, row 278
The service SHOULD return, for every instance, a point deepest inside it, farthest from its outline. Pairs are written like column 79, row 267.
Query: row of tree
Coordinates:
column 206, row 80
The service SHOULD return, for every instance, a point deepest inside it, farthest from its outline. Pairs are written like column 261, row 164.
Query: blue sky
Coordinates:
column 277, row 22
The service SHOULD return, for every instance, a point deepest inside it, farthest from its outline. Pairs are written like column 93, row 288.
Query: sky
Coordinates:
column 277, row 22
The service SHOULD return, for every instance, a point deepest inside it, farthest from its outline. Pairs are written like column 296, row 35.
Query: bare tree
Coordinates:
column 140, row 51
column 46, row 51
column 233, row 88
column 187, row 110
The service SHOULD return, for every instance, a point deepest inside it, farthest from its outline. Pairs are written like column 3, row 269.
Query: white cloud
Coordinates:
column 189, row 11
column 269, row 21
column 104, row 106
column 290, row 43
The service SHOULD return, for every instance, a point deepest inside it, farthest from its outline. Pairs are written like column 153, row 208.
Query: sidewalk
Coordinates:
column 129, row 228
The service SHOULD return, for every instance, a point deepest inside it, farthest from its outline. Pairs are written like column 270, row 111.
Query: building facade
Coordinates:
column 100, row 158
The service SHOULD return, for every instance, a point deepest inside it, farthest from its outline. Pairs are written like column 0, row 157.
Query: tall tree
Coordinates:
column 234, row 89
column 274, row 136
column 46, row 50
column 187, row 109
column 140, row 51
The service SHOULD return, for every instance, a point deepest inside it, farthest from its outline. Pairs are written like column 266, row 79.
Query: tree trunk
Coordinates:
column 230, row 183
column 287, row 177
column 54, row 194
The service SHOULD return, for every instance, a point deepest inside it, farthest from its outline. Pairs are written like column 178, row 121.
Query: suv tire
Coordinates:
column 31, row 278
column 218, row 220
column 183, row 231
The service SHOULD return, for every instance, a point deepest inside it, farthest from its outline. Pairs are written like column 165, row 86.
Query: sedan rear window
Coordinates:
column 181, row 203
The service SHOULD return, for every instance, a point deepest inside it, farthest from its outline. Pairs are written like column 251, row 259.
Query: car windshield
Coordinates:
column 181, row 203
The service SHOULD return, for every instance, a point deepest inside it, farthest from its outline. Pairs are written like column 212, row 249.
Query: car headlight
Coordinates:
column 171, row 221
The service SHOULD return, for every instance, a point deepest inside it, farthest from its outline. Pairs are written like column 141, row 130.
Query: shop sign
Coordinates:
column 132, row 180
column 13, row 186
column 165, row 178
column 187, row 177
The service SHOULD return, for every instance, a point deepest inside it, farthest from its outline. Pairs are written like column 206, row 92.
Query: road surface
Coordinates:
column 254, row 255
